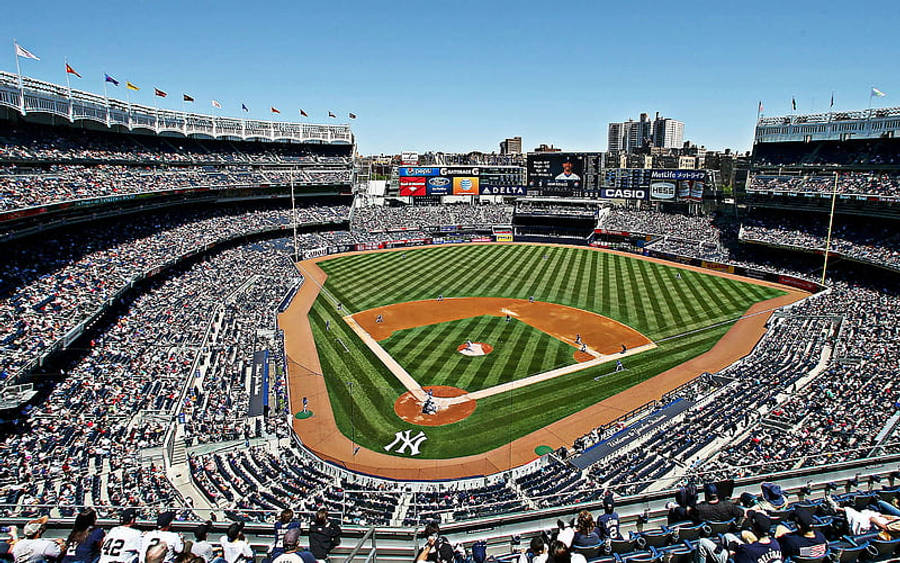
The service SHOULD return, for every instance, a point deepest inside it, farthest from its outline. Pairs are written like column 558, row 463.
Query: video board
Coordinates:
column 460, row 180
column 563, row 174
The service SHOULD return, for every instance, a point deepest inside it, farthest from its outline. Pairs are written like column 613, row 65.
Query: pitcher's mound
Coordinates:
column 409, row 409
column 475, row 349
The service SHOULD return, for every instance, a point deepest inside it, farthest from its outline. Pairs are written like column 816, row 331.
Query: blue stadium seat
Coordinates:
column 716, row 528
column 589, row 551
column 881, row 549
column 846, row 552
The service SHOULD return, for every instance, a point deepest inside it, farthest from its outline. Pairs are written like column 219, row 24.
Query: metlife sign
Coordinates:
column 658, row 174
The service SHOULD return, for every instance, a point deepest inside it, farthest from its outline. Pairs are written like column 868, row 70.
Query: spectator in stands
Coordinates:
column 806, row 541
column 324, row 535
column 536, row 552
column 759, row 549
column 162, row 535
column 864, row 521
column 201, row 547
column 608, row 522
column 560, row 551
column 437, row 548
column 235, row 548
column 712, row 509
column 122, row 543
column 585, row 530
column 685, row 503
column 284, row 523
column 33, row 548
column 85, row 540
column 291, row 549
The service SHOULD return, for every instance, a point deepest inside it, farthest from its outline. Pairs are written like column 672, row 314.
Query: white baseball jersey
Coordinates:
column 173, row 541
column 121, row 545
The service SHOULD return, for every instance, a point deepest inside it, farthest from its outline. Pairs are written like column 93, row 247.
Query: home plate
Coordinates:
column 474, row 349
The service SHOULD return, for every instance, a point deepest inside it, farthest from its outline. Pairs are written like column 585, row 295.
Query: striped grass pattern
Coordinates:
column 644, row 295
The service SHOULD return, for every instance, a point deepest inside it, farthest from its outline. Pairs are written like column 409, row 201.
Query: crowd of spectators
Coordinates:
column 22, row 187
column 421, row 217
column 693, row 227
column 857, row 153
column 49, row 286
column 875, row 244
column 863, row 183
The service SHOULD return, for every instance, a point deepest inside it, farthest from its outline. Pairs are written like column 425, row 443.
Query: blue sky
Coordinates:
column 463, row 75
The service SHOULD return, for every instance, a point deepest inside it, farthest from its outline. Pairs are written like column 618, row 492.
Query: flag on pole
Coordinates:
column 109, row 78
column 832, row 100
column 760, row 110
column 331, row 114
column 25, row 53
column 877, row 93
column 794, row 104
column 159, row 93
column 70, row 70
column 352, row 116
column 216, row 104
column 303, row 113
column 188, row 98
column 274, row 109
column 244, row 107
column 131, row 86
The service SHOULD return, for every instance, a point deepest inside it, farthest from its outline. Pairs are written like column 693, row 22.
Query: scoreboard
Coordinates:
column 564, row 174
column 417, row 181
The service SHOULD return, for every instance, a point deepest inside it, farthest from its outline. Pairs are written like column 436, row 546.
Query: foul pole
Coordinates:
column 830, row 224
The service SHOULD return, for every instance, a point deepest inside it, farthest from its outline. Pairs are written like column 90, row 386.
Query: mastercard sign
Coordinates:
column 465, row 185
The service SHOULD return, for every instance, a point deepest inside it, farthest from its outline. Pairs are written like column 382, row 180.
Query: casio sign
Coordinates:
column 624, row 194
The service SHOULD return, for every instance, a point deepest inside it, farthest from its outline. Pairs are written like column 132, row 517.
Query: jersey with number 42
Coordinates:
column 122, row 545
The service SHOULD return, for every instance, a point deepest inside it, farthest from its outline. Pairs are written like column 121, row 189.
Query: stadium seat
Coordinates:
column 657, row 538
column 622, row 546
column 879, row 548
column 716, row 528
column 589, row 551
column 846, row 552
column 690, row 532
column 678, row 553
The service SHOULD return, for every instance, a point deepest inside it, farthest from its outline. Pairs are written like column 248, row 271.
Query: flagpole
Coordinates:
column 68, row 87
column 19, row 74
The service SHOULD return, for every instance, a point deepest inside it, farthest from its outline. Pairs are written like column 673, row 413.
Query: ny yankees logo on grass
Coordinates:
column 402, row 437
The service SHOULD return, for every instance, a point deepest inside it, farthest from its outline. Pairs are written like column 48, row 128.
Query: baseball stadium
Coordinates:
column 218, row 325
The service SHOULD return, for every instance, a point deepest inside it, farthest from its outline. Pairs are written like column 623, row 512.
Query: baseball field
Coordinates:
column 554, row 320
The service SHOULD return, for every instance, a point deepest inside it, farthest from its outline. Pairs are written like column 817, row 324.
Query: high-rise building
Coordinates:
column 667, row 133
column 632, row 135
column 512, row 145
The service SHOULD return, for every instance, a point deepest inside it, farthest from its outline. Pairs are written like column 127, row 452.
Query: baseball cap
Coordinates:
column 128, row 515
column 710, row 490
column 35, row 526
column 772, row 493
column 165, row 518
column 292, row 537
column 804, row 518
column 760, row 522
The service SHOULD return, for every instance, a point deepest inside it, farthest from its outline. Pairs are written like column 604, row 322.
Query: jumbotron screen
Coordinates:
column 563, row 174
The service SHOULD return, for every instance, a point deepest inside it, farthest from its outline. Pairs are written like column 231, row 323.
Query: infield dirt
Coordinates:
column 321, row 435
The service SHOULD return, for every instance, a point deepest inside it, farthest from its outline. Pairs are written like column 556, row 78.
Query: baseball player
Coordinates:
column 623, row 349
column 577, row 339
column 531, row 299
column 584, row 348
column 619, row 366
column 379, row 319
column 441, row 297
column 507, row 317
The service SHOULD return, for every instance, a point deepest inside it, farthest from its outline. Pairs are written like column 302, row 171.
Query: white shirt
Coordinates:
column 28, row 551
column 564, row 176
column 173, row 542
column 203, row 549
column 121, row 545
column 232, row 551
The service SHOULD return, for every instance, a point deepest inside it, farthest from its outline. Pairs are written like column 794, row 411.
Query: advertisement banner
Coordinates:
column 620, row 193
column 418, row 171
column 717, row 267
column 408, row 158
column 439, row 185
column 315, row 252
column 503, row 190
column 684, row 189
column 482, row 239
column 556, row 173
column 465, row 185
column 799, row 283
column 697, row 188
column 460, row 171
column 412, row 186
column 680, row 174
column 664, row 191
column 503, row 237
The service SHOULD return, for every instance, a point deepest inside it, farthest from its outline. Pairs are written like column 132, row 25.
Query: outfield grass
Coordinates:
column 644, row 295
column 517, row 348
